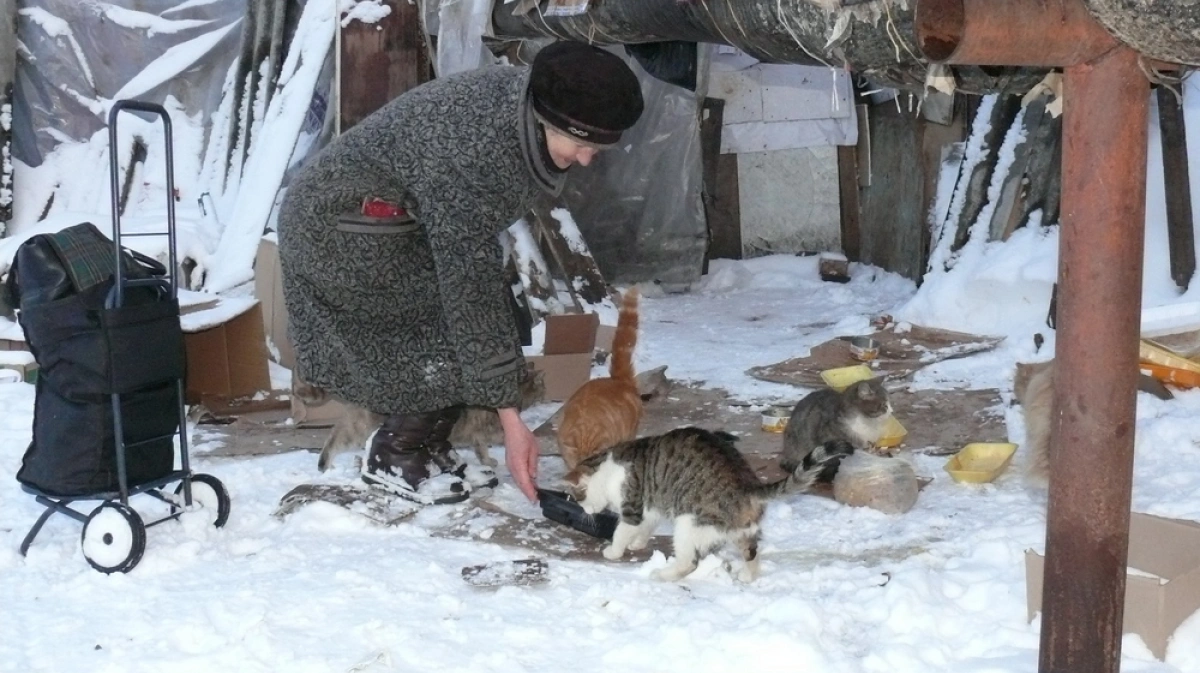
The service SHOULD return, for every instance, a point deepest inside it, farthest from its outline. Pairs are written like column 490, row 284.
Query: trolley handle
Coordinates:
column 115, row 169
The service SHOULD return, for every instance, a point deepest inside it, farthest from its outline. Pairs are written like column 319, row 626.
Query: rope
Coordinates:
column 1163, row 78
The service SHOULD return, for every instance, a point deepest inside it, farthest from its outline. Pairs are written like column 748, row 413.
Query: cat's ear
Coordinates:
column 866, row 392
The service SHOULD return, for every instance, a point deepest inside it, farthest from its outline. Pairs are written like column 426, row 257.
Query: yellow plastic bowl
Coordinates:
column 893, row 434
column 842, row 378
column 981, row 462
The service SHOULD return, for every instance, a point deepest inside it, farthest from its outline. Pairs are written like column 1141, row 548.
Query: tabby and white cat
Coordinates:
column 697, row 478
column 858, row 415
column 607, row 410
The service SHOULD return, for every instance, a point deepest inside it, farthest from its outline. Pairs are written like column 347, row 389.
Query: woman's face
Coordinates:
column 565, row 152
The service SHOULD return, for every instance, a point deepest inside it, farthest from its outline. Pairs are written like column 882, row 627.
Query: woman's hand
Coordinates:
column 521, row 451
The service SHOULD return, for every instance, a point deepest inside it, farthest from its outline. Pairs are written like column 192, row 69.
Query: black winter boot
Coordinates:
column 447, row 459
column 399, row 460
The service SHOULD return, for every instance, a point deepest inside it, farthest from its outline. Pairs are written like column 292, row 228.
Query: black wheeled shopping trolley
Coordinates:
column 103, row 324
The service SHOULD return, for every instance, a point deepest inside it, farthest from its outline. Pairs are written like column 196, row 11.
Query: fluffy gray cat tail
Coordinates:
column 820, row 465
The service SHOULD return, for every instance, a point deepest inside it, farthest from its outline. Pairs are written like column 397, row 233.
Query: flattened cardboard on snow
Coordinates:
column 226, row 349
column 1167, row 549
column 268, row 287
column 566, row 362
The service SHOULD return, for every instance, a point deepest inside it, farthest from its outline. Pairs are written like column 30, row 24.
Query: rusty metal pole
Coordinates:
column 1095, row 386
column 1099, row 301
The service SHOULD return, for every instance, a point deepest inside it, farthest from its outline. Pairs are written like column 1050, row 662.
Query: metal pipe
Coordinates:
column 875, row 39
column 1095, row 380
column 1011, row 32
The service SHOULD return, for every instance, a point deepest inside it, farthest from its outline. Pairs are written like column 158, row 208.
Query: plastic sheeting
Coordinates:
column 639, row 204
column 462, row 24
column 75, row 57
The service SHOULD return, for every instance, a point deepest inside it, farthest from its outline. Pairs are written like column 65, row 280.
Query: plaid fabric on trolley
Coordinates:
column 87, row 254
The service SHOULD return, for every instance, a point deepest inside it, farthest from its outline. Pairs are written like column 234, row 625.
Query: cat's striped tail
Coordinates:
column 819, row 465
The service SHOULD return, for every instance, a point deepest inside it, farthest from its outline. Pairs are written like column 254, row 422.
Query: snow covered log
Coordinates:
column 875, row 38
column 1162, row 29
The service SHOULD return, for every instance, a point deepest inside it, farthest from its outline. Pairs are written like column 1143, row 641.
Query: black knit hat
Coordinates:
column 585, row 92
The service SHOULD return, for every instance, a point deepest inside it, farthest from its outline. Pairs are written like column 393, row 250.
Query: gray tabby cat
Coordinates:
column 857, row 415
column 477, row 427
column 699, row 479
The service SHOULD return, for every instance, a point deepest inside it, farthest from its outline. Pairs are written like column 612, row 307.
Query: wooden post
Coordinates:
column 380, row 61
column 1178, row 186
column 720, row 193
column 847, row 162
column 8, row 74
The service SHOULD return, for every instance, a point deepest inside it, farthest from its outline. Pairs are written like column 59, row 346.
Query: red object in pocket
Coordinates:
column 380, row 208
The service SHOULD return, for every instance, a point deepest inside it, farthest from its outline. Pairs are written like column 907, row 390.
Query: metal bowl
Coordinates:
column 864, row 349
column 776, row 419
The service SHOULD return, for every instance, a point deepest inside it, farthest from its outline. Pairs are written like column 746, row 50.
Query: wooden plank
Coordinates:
column 1001, row 119
column 583, row 278
column 239, row 124
column 1044, row 189
column 893, row 227
column 532, row 270
column 380, row 61
column 1180, row 227
column 936, row 140
column 8, row 73
column 720, row 190
column 1011, row 197
column 851, row 214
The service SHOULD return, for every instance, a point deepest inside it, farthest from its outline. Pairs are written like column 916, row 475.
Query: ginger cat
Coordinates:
column 607, row 410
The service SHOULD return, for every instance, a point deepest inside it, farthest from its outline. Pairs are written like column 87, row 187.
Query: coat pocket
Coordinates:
column 354, row 223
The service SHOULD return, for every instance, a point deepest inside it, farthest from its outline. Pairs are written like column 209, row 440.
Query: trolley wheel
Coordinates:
column 208, row 493
column 114, row 538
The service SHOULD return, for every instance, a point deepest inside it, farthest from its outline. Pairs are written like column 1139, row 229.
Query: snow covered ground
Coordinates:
column 940, row 588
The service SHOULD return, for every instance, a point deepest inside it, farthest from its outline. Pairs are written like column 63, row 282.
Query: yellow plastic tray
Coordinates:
column 1152, row 353
column 893, row 434
column 1183, row 378
column 842, row 378
column 980, row 462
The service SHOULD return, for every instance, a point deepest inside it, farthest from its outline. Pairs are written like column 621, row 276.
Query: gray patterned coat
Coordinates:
column 402, row 317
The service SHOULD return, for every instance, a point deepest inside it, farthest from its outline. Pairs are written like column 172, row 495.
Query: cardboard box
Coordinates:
column 1168, row 550
column 268, row 287
column 226, row 347
column 12, row 338
column 604, row 337
column 566, row 360
column 21, row 361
